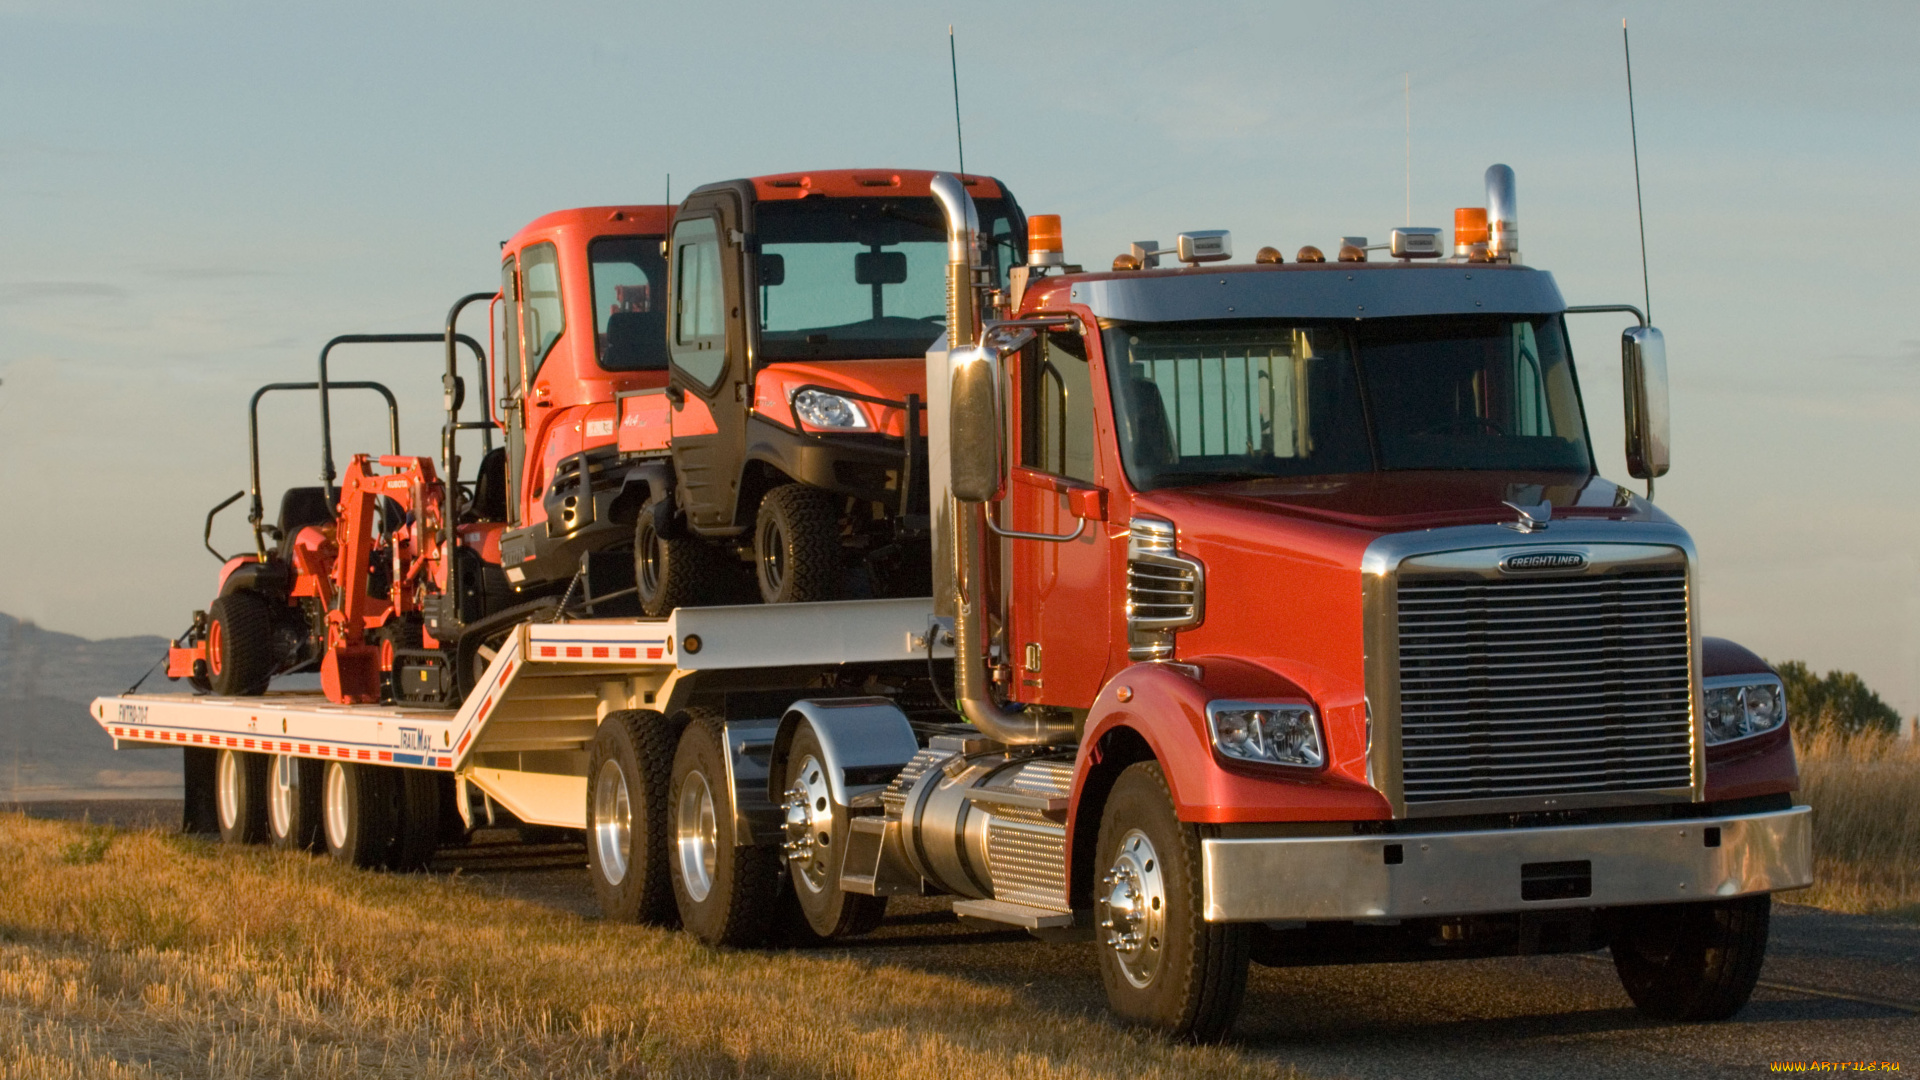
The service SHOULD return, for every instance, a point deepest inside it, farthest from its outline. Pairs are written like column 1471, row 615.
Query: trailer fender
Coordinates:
column 1760, row 764
column 867, row 741
column 756, row 814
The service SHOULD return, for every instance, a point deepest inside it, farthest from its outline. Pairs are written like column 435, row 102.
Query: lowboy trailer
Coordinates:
column 1279, row 614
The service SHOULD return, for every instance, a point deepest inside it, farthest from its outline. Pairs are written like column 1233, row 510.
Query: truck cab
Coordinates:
column 802, row 305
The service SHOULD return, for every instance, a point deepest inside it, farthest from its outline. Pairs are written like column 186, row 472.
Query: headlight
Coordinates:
column 1272, row 733
column 1741, row 705
column 820, row 409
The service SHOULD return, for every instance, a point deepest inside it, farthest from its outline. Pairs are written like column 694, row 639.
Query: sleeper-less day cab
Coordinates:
column 1279, row 615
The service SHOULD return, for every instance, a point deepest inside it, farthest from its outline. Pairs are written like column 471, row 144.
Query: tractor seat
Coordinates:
column 490, row 486
column 299, row 508
column 635, row 341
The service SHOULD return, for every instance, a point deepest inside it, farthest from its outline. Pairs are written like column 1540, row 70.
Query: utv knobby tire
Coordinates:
column 1697, row 961
column 239, row 644
column 727, row 893
column 1199, row 969
column 796, row 545
column 240, row 796
column 357, row 806
column 295, row 819
column 629, row 773
column 672, row 569
column 831, row 911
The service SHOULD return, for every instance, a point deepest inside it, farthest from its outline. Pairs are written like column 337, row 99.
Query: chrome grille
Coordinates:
column 1545, row 686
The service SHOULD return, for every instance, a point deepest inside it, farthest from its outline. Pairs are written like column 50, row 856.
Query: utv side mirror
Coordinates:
column 974, row 431
column 1643, row 371
column 773, row 269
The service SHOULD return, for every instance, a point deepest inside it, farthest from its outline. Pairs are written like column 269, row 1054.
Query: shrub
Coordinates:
column 1838, row 702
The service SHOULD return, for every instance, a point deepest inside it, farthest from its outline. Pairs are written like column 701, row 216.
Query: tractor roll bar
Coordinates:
column 453, row 395
column 256, row 513
column 326, row 416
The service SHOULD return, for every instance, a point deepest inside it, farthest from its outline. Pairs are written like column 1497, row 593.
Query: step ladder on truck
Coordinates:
column 1279, row 616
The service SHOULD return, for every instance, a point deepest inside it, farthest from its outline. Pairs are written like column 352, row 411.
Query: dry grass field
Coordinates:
column 1865, row 794
column 136, row 954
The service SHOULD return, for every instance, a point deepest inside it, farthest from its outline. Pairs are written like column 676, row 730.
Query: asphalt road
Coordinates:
column 1836, row 988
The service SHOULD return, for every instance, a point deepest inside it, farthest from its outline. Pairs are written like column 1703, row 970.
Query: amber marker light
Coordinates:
column 1352, row 253
column 1044, row 245
column 1269, row 256
column 1124, row 261
column 1310, row 254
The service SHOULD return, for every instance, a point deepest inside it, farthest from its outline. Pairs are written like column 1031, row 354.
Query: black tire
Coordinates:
column 239, row 644
column 240, row 796
column 629, row 773
column 1696, row 961
column 670, row 568
column 796, row 545
column 416, row 813
column 726, row 893
column 294, row 821
column 816, row 849
column 357, row 808
column 1163, row 964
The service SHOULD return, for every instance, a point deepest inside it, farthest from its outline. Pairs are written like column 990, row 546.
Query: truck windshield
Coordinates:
column 846, row 279
column 1206, row 403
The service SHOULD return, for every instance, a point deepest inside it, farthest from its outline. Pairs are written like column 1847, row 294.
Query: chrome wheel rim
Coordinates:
column 336, row 805
column 227, row 790
column 696, row 836
column 809, row 828
column 280, row 797
column 612, row 822
column 1131, row 908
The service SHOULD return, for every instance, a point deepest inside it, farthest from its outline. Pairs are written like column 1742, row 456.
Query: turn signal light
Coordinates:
column 1044, row 246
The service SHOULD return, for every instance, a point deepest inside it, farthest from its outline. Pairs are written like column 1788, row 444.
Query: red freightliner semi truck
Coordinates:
column 1279, row 615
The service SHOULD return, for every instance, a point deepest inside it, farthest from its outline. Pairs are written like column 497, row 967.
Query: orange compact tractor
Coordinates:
column 802, row 308
column 391, row 583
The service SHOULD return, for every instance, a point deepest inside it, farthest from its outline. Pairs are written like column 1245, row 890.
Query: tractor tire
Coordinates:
column 1164, row 965
column 240, row 796
column 629, row 772
column 727, row 893
column 358, row 809
column 672, row 569
column 796, row 545
column 416, row 813
column 817, row 831
column 1697, row 961
column 294, row 813
column 239, row 644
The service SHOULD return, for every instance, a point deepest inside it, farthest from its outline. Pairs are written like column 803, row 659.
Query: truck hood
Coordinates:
column 888, row 380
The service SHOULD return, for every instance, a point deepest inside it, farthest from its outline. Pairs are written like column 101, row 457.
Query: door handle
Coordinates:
column 1016, row 535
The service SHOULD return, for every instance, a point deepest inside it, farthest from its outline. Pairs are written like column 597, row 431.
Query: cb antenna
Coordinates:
column 1639, row 204
column 953, row 57
column 669, row 189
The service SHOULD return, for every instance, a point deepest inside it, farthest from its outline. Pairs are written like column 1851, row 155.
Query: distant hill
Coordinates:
column 50, row 748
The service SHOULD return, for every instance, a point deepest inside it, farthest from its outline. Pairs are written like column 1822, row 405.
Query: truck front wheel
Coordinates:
column 240, row 796
column 1696, row 961
column 628, row 776
column 816, row 846
column 726, row 891
column 1163, row 964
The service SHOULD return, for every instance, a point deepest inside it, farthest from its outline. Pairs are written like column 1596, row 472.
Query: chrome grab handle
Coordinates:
column 1049, row 537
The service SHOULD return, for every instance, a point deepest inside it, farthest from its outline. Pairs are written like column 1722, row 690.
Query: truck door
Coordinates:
column 510, row 379
column 706, row 348
column 1061, row 617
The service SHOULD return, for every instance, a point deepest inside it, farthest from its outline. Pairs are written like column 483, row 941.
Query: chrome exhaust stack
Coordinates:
column 1503, row 216
column 963, row 383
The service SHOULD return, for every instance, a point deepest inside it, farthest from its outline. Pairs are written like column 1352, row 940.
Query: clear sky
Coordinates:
column 195, row 195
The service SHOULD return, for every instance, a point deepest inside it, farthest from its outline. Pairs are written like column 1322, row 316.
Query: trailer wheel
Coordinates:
column 416, row 816
column 727, row 893
column 796, row 545
column 1696, row 961
column 671, row 571
column 294, row 803
column 1164, row 965
column 629, row 772
column 816, row 848
column 239, row 644
column 240, row 796
column 359, row 814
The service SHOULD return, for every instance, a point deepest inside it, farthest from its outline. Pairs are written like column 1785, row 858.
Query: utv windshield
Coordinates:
column 845, row 279
column 1210, row 403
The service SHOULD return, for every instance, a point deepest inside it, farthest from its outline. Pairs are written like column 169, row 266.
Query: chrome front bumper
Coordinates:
column 1462, row 873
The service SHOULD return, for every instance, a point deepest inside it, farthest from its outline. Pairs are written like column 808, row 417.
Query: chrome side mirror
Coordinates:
column 1643, row 373
column 975, row 432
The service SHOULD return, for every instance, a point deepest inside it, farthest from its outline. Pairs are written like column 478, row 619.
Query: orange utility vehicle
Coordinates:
column 794, row 408
column 1279, row 615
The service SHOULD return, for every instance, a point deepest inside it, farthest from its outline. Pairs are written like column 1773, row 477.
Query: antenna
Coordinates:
column 954, row 58
column 669, row 189
column 1408, row 88
column 1639, row 204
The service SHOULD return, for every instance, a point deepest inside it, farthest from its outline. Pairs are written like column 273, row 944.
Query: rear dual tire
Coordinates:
column 378, row 817
column 628, row 778
column 240, row 782
column 727, row 893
